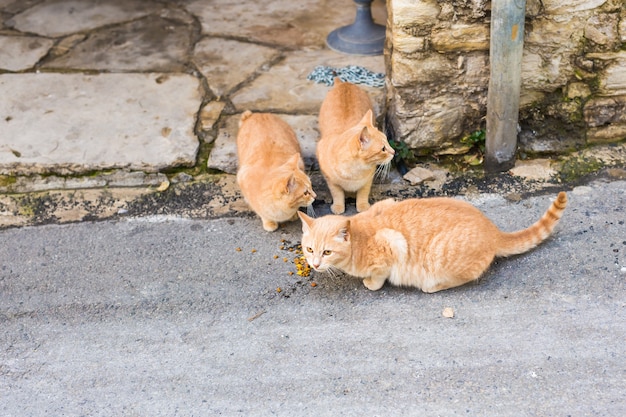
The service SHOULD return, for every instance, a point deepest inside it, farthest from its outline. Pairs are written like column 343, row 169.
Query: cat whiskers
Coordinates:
column 333, row 273
column 382, row 171
column 310, row 211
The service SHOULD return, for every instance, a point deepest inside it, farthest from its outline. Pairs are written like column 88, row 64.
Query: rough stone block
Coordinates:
column 461, row 38
column 605, row 110
column 561, row 7
column 413, row 12
column 606, row 134
column 613, row 76
column 434, row 124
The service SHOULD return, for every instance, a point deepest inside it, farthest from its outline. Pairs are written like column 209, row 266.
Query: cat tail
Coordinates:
column 244, row 116
column 524, row 240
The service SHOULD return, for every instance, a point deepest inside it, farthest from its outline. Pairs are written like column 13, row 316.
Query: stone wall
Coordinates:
column 573, row 73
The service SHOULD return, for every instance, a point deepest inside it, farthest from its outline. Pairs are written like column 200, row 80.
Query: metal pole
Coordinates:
column 505, row 55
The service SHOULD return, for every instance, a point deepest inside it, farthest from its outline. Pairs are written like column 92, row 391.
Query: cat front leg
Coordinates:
column 374, row 283
column 269, row 225
column 363, row 195
column 339, row 199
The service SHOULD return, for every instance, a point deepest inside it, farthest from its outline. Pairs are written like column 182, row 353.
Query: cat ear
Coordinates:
column 307, row 222
column 368, row 118
column 343, row 235
column 290, row 187
column 295, row 162
column 364, row 139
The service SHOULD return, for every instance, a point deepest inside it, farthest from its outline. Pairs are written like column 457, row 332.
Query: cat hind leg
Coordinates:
column 269, row 225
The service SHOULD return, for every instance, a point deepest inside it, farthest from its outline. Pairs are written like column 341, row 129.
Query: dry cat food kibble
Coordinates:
column 302, row 266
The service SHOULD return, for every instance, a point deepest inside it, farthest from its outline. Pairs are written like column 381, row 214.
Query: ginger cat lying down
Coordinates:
column 432, row 243
column 351, row 147
column 271, row 171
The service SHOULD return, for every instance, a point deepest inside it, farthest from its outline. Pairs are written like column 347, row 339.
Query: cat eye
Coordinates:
column 384, row 149
column 310, row 250
column 306, row 192
column 327, row 252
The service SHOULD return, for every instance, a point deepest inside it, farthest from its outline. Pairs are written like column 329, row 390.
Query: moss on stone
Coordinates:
column 575, row 168
column 7, row 180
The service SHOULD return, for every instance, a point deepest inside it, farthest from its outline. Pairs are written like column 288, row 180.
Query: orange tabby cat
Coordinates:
column 271, row 171
column 350, row 147
column 432, row 244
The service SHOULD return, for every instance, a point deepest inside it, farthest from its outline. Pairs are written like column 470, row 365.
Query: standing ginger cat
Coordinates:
column 350, row 147
column 271, row 171
column 432, row 244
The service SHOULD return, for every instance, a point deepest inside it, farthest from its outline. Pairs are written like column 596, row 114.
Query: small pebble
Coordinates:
column 448, row 312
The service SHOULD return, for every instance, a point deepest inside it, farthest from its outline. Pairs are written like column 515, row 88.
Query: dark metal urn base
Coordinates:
column 363, row 37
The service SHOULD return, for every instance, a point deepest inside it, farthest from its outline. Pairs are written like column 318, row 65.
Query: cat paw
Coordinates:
column 270, row 226
column 373, row 285
column 360, row 207
column 337, row 208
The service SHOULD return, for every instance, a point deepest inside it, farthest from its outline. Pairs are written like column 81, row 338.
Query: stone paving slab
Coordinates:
column 284, row 87
column 148, row 44
column 73, row 123
column 18, row 53
column 216, row 61
column 56, row 18
column 287, row 23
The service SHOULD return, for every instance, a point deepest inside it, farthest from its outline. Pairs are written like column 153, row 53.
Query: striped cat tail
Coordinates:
column 245, row 116
column 524, row 240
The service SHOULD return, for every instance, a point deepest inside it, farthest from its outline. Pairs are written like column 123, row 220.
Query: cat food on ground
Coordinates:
column 448, row 312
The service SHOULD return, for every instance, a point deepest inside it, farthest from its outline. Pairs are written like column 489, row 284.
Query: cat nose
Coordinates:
column 313, row 195
column 316, row 263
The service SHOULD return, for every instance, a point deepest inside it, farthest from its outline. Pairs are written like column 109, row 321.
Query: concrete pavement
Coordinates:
column 150, row 317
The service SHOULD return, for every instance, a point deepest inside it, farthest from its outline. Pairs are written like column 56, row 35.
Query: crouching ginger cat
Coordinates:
column 432, row 244
column 351, row 147
column 271, row 171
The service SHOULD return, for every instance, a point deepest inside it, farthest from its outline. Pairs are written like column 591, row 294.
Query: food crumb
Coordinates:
column 238, row 249
column 253, row 250
column 279, row 289
column 275, row 256
column 313, row 284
